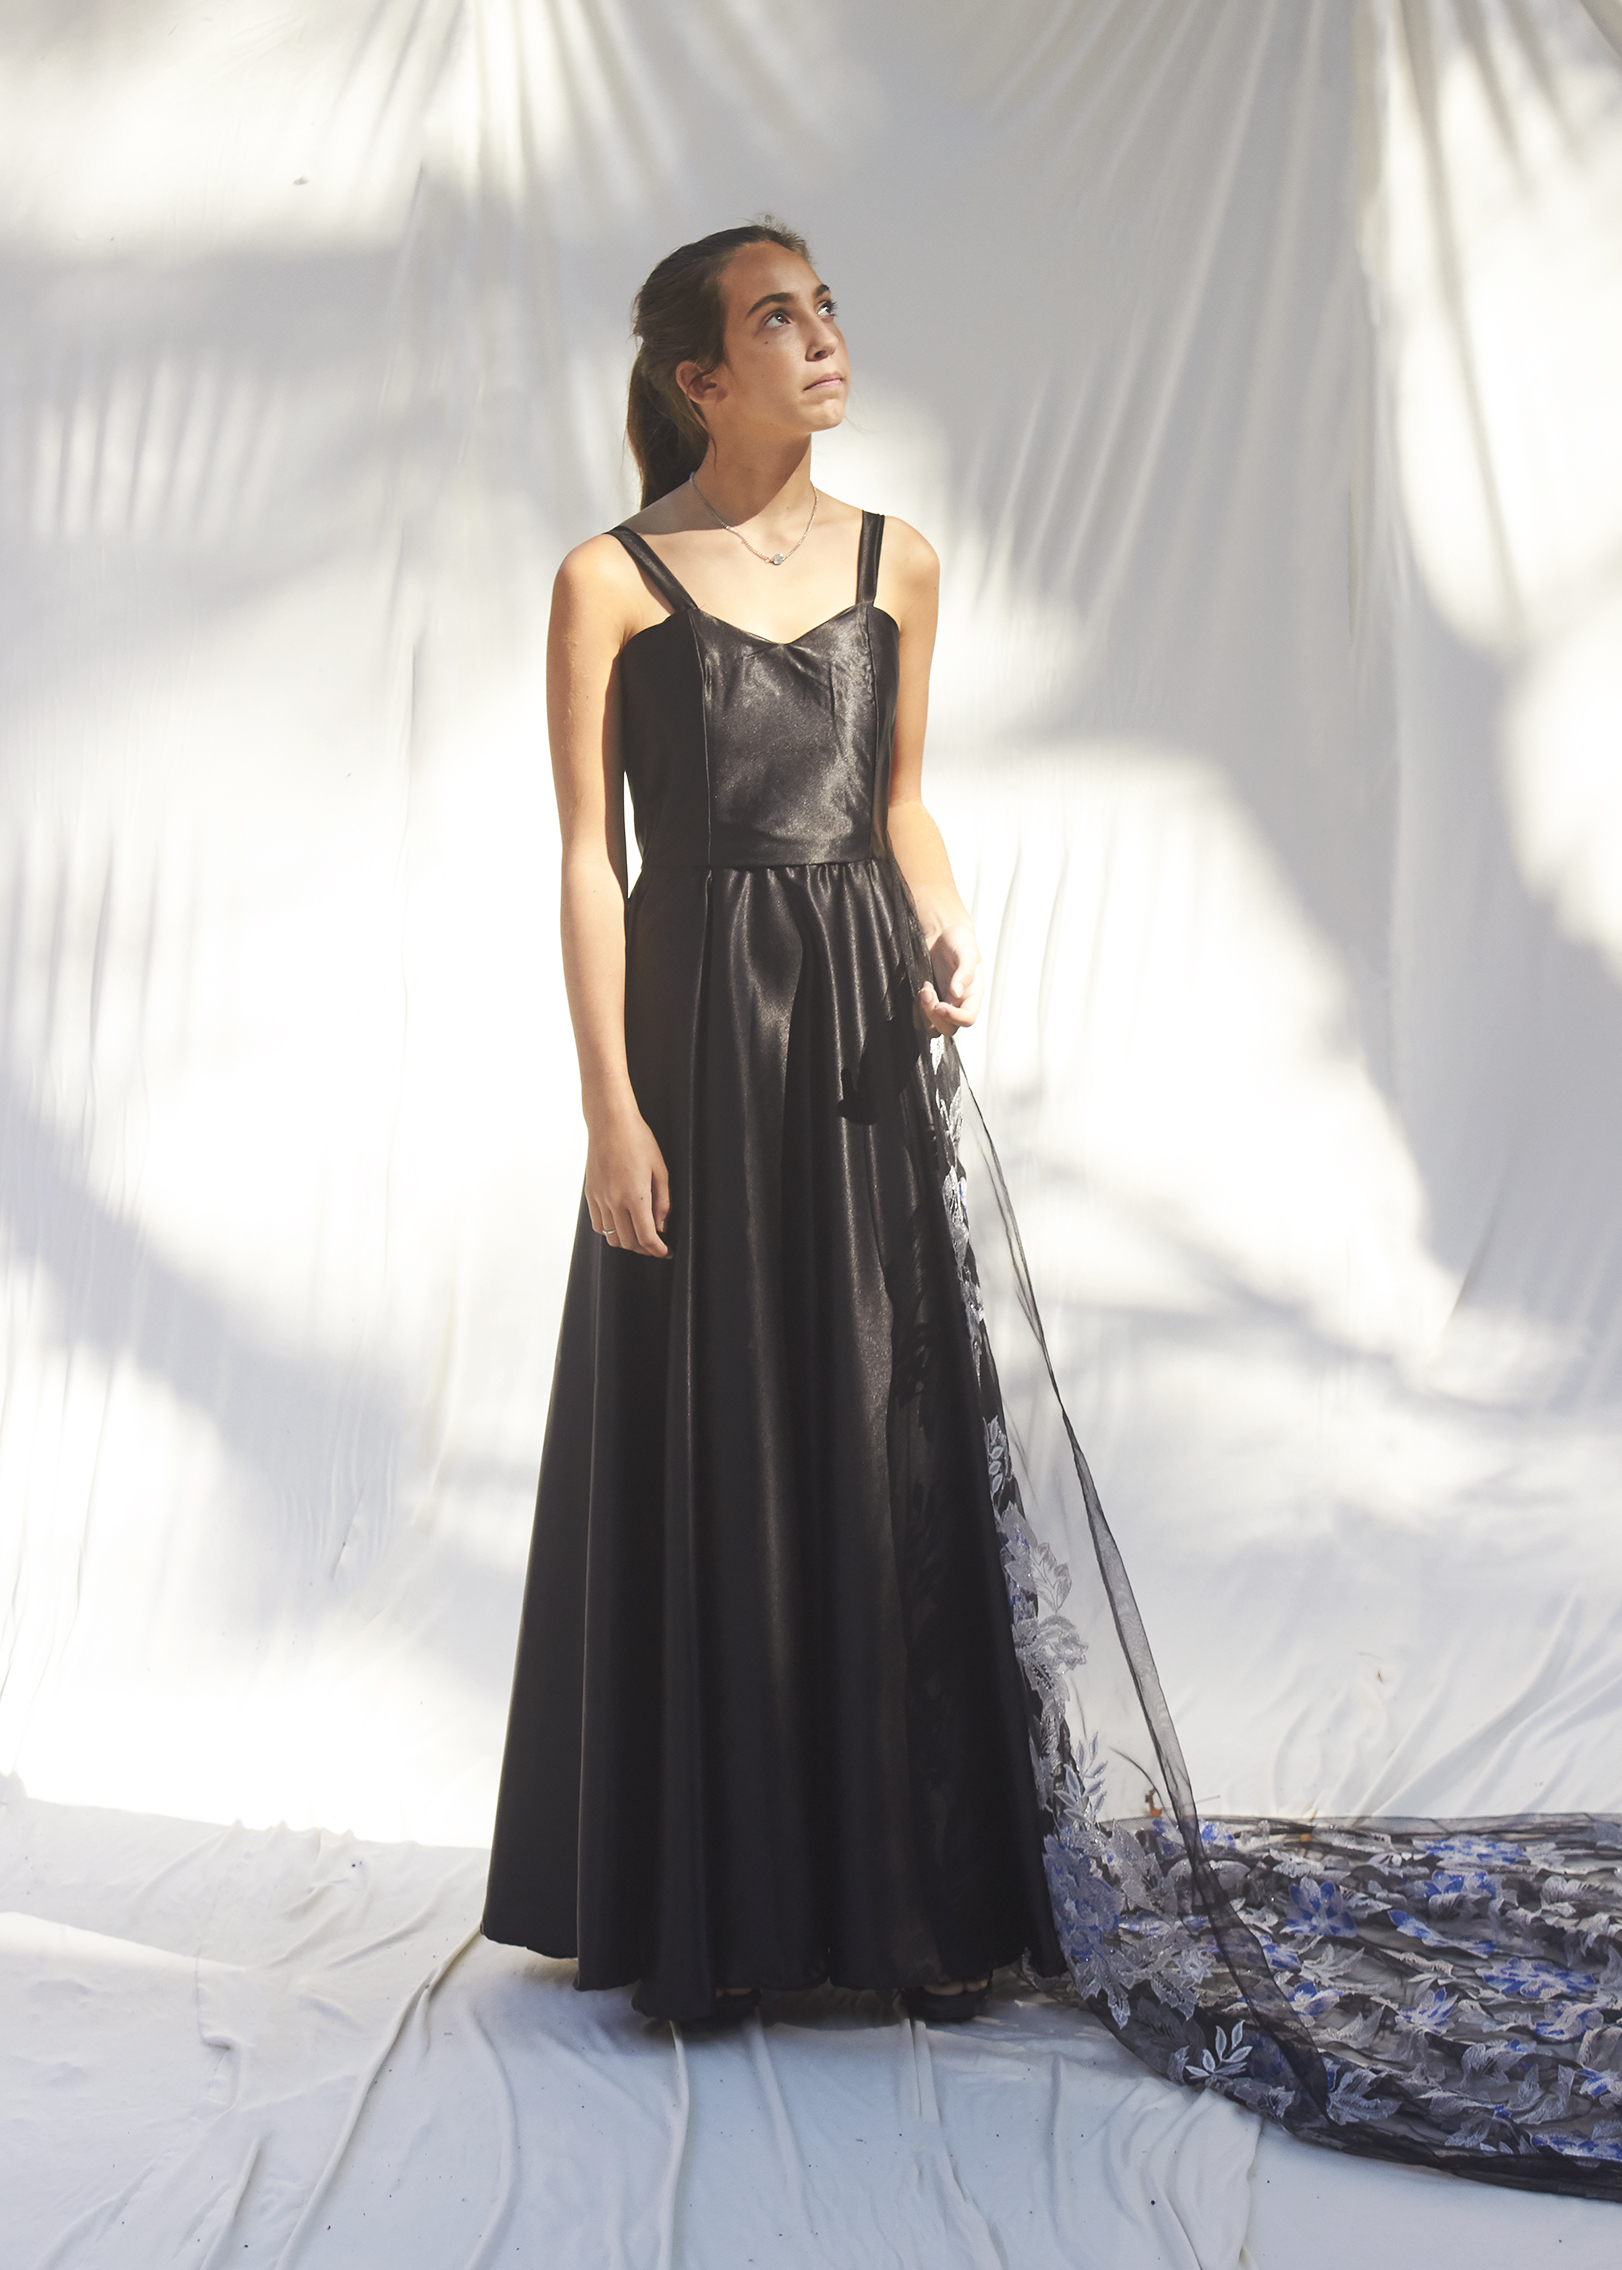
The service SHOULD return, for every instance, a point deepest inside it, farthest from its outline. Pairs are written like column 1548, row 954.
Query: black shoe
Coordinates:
column 728, row 2007
column 945, row 2009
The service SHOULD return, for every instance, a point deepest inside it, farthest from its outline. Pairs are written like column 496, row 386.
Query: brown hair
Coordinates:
column 679, row 316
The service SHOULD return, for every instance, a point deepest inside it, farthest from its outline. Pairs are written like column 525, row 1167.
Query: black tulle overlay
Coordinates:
column 829, row 1667
column 1443, row 1992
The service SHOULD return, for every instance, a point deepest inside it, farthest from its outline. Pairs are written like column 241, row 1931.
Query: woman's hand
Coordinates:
column 954, row 999
column 627, row 1187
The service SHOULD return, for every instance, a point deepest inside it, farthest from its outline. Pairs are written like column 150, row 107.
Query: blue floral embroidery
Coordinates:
column 1462, row 1986
column 1309, row 2001
column 1449, row 1890
column 1413, row 1927
column 1584, row 2147
column 1464, row 1849
column 1320, row 1908
column 1430, row 2011
column 1525, row 1978
column 1086, row 1909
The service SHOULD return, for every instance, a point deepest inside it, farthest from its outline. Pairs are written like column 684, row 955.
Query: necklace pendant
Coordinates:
column 771, row 559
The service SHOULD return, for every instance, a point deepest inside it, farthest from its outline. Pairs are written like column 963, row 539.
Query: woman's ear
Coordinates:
column 699, row 385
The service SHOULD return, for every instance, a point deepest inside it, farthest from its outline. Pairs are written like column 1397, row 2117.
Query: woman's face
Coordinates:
column 785, row 366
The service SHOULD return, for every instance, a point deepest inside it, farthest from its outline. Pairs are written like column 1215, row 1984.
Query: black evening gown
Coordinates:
column 767, row 1726
column 829, row 1666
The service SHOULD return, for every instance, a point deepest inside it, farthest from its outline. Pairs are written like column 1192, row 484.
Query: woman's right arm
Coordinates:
column 627, row 1187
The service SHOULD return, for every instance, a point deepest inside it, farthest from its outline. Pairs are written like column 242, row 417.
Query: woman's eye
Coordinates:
column 826, row 307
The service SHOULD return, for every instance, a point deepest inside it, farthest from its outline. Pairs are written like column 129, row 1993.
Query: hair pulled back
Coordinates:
column 679, row 316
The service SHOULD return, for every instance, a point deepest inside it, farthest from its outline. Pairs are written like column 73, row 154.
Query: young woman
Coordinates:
column 767, row 1725
column 802, row 1692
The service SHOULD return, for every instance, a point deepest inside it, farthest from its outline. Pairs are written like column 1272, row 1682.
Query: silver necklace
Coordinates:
column 772, row 559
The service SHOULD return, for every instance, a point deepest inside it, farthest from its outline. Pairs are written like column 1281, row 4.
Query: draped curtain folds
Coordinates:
column 1253, row 368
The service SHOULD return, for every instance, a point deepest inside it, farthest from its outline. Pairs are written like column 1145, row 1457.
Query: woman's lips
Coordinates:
column 838, row 379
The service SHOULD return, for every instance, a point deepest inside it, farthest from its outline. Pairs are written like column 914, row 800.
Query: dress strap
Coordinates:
column 867, row 559
column 653, row 567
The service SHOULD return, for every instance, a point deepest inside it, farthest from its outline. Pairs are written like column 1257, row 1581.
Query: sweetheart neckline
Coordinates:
column 759, row 637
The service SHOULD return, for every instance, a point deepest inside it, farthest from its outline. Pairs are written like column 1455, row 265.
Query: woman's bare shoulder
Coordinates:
column 912, row 556
column 600, row 564
column 598, row 583
column 909, row 576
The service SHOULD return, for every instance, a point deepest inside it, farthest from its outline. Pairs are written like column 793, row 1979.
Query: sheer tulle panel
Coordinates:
column 1443, row 1992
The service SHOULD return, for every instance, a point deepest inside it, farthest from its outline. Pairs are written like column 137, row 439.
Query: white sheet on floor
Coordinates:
column 291, row 2047
column 1253, row 366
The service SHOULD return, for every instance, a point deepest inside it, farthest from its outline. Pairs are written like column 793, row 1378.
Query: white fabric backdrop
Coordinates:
column 1253, row 366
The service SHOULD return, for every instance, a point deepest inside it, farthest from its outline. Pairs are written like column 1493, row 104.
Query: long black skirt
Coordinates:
column 767, row 1723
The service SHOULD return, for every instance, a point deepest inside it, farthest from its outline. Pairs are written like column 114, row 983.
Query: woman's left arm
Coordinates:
column 910, row 579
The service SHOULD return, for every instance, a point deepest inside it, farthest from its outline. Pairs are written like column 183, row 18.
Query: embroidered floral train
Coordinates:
column 1443, row 1993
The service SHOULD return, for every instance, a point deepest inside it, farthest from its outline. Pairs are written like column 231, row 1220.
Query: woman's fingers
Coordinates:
column 648, row 1239
column 628, row 1187
column 963, row 994
column 942, row 1015
column 957, row 970
column 630, row 1228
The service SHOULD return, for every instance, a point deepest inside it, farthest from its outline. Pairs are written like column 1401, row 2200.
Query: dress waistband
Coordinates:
column 807, row 858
